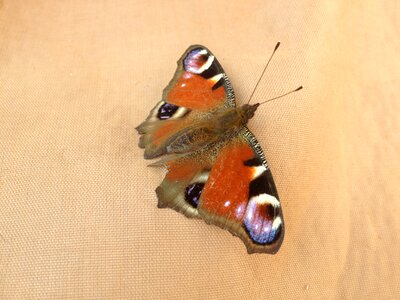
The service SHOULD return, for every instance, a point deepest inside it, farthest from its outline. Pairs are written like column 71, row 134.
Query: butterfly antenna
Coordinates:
column 298, row 89
column 262, row 74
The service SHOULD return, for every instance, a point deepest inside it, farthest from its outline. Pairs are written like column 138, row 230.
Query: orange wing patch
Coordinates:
column 195, row 92
column 182, row 171
column 226, row 192
column 165, row 130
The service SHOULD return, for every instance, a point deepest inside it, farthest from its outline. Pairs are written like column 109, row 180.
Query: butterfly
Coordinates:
column 216, row 169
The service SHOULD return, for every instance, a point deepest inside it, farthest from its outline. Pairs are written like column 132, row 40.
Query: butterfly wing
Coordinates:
column 198, row 88
column 229, row 185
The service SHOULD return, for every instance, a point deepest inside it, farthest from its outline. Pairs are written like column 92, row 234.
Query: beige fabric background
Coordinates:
column 78, row 216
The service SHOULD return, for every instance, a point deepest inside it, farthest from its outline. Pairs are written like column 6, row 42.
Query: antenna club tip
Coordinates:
column 299, row 88
column 277, row 45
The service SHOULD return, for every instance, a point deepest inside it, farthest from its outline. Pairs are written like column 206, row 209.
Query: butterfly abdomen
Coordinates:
column 191, row 139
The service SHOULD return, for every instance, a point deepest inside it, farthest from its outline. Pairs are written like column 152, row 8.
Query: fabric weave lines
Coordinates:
column 78, row 215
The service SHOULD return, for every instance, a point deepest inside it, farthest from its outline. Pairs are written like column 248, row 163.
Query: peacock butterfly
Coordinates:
column 216, row 168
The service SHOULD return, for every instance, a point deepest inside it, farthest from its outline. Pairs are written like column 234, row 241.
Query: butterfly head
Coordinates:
column 247, row 111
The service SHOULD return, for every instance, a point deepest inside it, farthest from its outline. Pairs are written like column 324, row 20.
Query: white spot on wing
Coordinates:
column 217, row 77
column 264, row 199
column 179, row 113
column 201, row 177
column 203, row 52
column 277, row 223
column 258, row 170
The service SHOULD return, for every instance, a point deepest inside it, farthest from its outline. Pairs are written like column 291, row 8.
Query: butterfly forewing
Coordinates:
column 240, row 195
column 199, row 87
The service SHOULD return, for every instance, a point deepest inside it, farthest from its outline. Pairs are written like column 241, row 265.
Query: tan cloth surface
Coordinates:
column 78, row 216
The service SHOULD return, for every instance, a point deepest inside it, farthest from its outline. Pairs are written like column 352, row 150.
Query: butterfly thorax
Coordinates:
column 221, row 125
column 233, row 118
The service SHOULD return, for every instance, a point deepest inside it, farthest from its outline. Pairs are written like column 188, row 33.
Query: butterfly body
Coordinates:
column 216, row 168
column 218, row 126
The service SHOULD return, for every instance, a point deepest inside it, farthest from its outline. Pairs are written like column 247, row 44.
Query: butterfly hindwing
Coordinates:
column 198, row 87
column 183, row 184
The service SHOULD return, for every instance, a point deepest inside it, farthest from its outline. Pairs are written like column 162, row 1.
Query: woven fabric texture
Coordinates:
column 78, row 215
